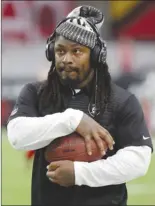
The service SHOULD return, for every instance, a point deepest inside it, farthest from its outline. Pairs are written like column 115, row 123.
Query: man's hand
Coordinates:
column 89, row 128
column 62, row 173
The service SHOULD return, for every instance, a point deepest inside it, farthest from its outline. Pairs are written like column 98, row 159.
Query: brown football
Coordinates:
column 72, row 147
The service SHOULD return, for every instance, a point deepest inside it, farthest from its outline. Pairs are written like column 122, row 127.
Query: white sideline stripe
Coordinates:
column 146, row 189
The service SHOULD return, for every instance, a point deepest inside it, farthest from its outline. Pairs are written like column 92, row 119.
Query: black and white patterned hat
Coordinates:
column 78, row 29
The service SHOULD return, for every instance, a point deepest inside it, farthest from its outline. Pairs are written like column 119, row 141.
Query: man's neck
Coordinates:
column 86, row 86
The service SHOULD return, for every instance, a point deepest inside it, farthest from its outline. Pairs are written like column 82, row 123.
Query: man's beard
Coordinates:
column 73, row 83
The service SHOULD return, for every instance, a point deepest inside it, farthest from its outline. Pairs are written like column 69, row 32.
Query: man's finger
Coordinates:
column 51, row 174
column 99, row 143
column 88, row 145
column 53, row 180
column 54, row 165
column 105, row 135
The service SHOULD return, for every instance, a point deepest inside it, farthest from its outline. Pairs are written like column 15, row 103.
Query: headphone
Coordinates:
column 98, row 53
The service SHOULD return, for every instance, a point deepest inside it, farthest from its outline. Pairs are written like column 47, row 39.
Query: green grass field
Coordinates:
column 16, row 180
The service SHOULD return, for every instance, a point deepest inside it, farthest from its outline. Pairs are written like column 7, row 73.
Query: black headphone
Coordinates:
column 98, row 53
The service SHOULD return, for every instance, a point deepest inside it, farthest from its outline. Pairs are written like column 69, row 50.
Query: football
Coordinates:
column 72, row 147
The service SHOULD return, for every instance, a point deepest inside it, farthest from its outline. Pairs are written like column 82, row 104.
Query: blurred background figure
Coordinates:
column 127, row 77
column 129, row 32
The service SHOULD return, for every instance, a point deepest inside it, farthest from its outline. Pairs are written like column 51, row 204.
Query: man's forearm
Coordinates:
column 31, row 133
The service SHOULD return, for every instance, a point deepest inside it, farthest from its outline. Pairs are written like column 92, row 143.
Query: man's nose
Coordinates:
column 67, row 59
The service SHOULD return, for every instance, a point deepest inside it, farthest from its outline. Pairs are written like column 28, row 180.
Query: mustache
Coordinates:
column 69, row 69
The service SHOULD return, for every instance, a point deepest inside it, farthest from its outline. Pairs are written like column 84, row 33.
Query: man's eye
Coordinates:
column 77, row 51
column 60, row 51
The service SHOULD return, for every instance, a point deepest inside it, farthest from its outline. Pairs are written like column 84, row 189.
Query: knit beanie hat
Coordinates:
column 79, row 27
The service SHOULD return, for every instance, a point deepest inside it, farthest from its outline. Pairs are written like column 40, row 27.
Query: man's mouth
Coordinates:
column 69, row 70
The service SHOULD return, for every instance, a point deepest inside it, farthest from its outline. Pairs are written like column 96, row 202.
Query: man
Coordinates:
column 78, row 95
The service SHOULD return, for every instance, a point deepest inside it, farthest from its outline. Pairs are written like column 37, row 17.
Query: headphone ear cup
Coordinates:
column 50, row 51
column 95, row 53
column 98, row 54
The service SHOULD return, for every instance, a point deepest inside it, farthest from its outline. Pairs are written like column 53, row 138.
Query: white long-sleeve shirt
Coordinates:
column 31, row 133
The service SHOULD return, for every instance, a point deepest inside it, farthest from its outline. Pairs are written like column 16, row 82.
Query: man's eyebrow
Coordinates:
column 74, row 45
column 60, row 45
